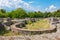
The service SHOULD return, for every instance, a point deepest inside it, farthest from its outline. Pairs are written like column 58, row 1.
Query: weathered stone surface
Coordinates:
column 9, row 23
column 33, row 32
column 20, row 25
column 9, row 19
column 55, row 21
column 1, row 26
column 26, row 31
column 1, row 20
column 25, row 21
column 40, row 35
column 32, row 19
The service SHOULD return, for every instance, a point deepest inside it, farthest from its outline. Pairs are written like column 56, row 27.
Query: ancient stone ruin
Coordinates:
column 52, row 33
column 18, row 24
column 19, row 27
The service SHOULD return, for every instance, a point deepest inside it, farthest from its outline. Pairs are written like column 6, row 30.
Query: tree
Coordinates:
column 57, row 13
column 18, row 13
column 21, row 13
column 2, row 11
column 39, row 14
column 47, row 14
column 31, row 14
column 35, row 14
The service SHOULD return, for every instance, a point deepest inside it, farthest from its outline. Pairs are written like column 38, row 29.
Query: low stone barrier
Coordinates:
column 14, row 38
column 51, row 29
column 30, row 32
column 26, row 31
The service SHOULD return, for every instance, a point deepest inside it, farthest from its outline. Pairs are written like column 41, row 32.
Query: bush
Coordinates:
column 29, row 22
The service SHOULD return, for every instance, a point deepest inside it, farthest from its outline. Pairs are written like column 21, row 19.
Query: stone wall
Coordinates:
column 52, row 28
column 30, row 32
column 14, row 38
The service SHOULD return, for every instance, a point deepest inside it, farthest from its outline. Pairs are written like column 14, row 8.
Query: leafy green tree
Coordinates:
column 39, row 14
column 2, row 13
column 18, row 13
column 57, row 13
column 48, row 14
column 35, row 14
column 21, row 13
column 31, row 14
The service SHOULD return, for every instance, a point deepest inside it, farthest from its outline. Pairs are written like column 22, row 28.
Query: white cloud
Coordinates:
column 31, row 2
column 46, row 9
column 5, row 3
column 25, row 4
column 10, row 3
column 50, row 8
column 17, row 4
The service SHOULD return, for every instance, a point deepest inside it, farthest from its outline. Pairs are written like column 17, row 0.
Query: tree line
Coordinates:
column 21, row 13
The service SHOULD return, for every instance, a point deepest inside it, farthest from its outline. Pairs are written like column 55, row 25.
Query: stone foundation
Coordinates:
column 33, row 32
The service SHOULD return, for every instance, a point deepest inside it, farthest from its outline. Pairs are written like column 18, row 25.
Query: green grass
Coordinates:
column 10, row 33
column 41, row 24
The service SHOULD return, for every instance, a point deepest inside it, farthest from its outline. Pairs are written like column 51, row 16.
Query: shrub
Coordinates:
column 29, row 22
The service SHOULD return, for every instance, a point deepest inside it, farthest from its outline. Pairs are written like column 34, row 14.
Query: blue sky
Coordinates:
column 30, row 5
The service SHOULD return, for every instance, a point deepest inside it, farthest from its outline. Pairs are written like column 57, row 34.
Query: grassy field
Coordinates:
column 10, row 33
column 41, row 24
